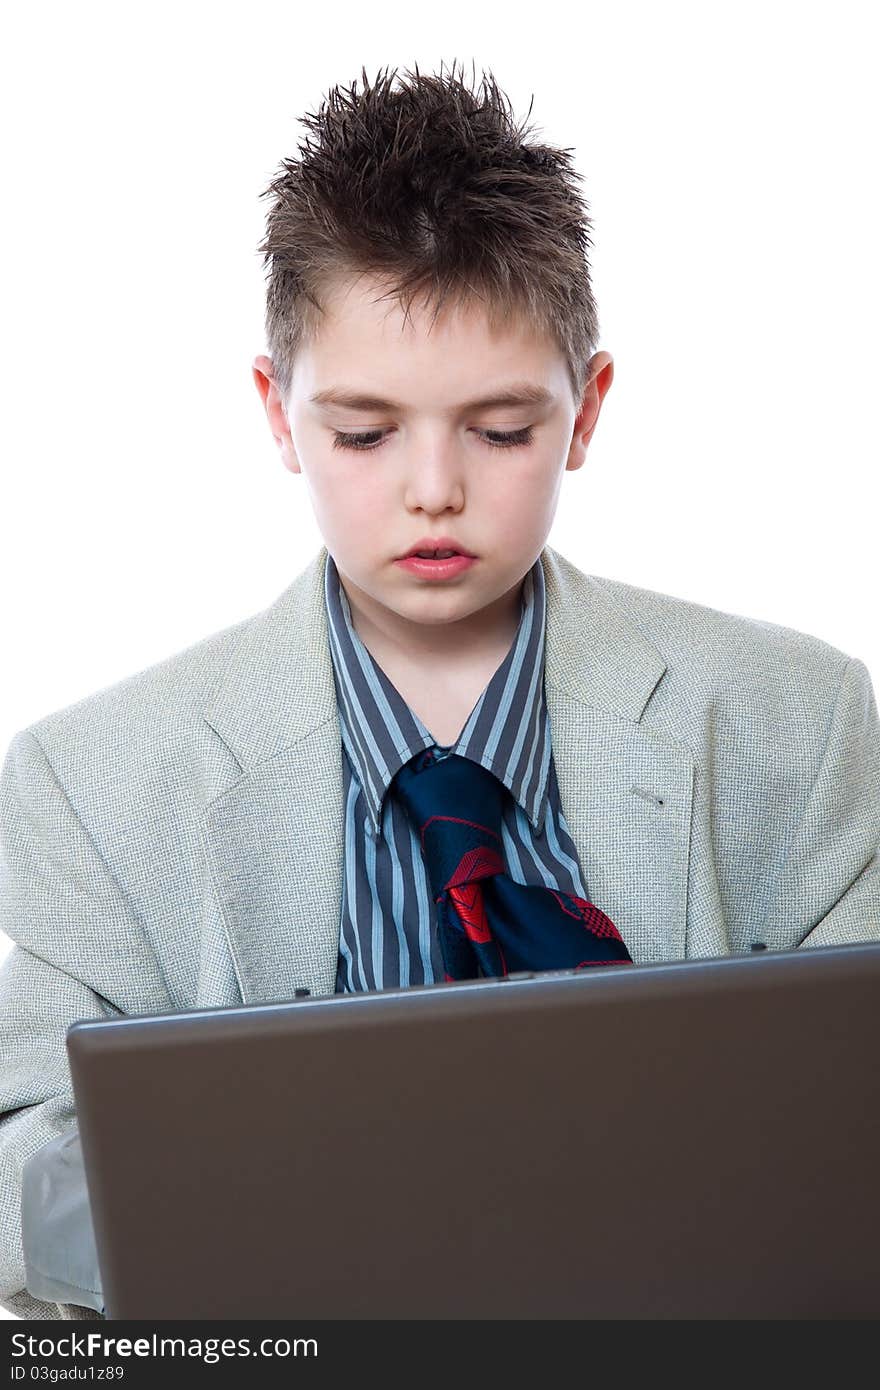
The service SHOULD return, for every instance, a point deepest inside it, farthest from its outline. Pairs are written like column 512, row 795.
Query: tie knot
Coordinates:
column 456, row 808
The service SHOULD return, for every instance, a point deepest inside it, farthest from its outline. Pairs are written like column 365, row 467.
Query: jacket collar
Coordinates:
column 279, row 688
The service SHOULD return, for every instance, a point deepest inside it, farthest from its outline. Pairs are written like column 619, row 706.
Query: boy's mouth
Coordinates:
column 439, row 548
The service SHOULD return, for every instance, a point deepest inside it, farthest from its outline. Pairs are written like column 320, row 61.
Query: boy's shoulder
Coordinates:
column 169, row 698
column 680, row 626
column 707, row 655
column 171, row 690
column 684, row 630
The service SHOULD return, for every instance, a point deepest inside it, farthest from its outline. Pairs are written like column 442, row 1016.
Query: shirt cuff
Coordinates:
column 61, row 1262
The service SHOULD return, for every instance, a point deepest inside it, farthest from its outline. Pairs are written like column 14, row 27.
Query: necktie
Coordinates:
column 487, row 923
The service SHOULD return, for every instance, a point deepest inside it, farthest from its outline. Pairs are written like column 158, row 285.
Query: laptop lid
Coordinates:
column 697, row 1139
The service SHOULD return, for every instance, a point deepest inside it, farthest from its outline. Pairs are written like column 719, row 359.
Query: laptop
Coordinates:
column 697, row 1139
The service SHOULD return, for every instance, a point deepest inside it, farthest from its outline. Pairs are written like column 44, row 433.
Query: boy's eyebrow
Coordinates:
column 518, row 393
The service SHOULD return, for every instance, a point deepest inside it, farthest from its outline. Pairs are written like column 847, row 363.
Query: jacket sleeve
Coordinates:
column 78, row 952
column 830, row 880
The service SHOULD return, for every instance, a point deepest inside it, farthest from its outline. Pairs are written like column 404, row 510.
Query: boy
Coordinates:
column 245, row 818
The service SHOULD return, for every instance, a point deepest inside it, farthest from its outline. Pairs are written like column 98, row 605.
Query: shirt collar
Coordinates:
column 507, row 731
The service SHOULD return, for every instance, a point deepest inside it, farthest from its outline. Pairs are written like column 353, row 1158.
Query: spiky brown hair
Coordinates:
column 432, row 184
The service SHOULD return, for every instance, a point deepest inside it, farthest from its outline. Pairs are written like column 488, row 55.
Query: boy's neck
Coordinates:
column 441, row 670
column 397, row 642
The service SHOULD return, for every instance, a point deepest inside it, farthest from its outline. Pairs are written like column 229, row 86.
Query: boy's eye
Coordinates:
column 371, row 439
column 356, row 441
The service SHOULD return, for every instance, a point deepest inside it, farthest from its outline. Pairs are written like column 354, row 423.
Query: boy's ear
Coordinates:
column 600, row 377
column 264, row 377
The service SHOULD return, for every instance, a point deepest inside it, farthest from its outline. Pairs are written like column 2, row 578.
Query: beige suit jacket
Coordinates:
column 175, row 841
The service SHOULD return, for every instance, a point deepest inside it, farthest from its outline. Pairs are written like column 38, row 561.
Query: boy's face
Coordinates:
column 382, row 477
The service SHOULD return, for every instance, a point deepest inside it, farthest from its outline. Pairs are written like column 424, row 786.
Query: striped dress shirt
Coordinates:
column 387, row 931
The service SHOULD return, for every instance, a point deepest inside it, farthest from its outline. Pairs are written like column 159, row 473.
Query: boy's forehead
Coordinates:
column 365, row 330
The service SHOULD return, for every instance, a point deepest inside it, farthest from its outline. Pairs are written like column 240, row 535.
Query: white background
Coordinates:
column 729, row 156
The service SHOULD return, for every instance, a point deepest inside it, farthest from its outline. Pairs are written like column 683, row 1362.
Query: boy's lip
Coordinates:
column 438, row 543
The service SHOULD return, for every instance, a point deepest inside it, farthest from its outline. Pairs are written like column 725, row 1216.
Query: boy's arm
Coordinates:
column 78, row 952
column 830, row 881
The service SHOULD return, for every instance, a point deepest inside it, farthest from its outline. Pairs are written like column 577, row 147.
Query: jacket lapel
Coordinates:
column 274, row 839
column 625, row 789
